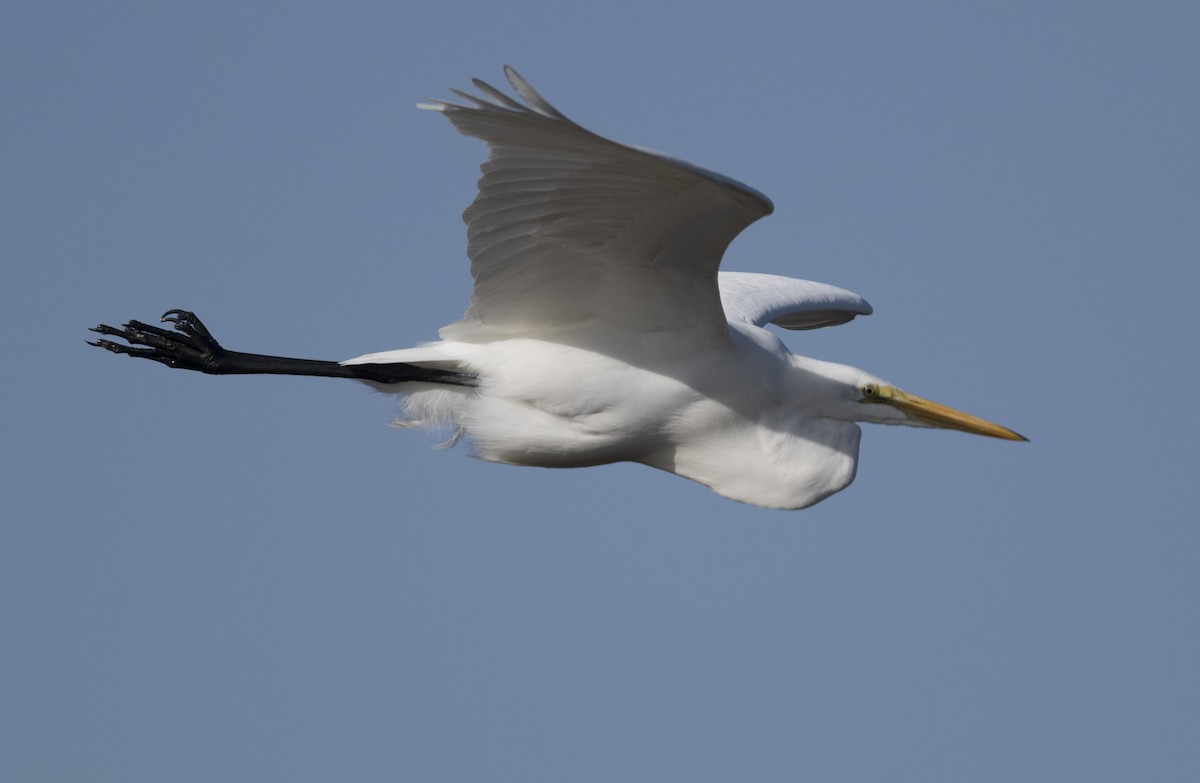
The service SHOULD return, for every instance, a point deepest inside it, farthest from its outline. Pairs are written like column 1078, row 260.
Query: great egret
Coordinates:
column 600, row 330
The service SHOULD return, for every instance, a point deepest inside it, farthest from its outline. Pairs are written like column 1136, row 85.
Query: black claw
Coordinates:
column 179, row 319
column 187, row 322
column 189, row 346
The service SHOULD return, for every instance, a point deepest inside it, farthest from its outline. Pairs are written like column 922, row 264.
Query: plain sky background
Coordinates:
column 249, row 579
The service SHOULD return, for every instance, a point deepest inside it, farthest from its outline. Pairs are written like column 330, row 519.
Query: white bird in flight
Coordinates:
column 600, row 330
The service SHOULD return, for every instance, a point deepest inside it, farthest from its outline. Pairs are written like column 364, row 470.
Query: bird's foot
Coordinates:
column 190, row 346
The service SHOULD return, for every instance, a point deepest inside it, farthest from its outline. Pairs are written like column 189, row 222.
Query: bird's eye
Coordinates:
column 870, row 390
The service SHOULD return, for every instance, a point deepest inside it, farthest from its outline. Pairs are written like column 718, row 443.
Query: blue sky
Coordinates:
column 256, row 579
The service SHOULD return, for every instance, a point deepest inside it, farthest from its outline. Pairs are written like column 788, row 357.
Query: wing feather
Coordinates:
column 788, row 302
column 570, row 228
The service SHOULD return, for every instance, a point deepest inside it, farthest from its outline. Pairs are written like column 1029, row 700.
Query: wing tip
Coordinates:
column 490, row 99
column 532, row 97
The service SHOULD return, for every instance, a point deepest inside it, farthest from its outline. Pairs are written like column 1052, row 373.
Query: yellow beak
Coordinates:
column 938, row 415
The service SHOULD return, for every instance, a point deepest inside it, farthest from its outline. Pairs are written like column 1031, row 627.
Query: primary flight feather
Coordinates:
column 600, row 329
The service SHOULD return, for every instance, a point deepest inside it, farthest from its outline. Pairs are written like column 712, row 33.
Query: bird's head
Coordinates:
column 859, row 396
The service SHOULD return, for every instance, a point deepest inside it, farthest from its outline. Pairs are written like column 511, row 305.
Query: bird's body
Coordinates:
column 680, row 401
column 601, row 331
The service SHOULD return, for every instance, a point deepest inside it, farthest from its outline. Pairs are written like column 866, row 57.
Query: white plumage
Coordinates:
column 600, row 330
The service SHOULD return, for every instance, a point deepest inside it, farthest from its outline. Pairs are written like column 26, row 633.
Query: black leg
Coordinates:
column 190, row 346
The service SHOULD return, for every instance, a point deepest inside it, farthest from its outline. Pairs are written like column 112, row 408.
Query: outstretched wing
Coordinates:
column 570, row 228
column 787, row 302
